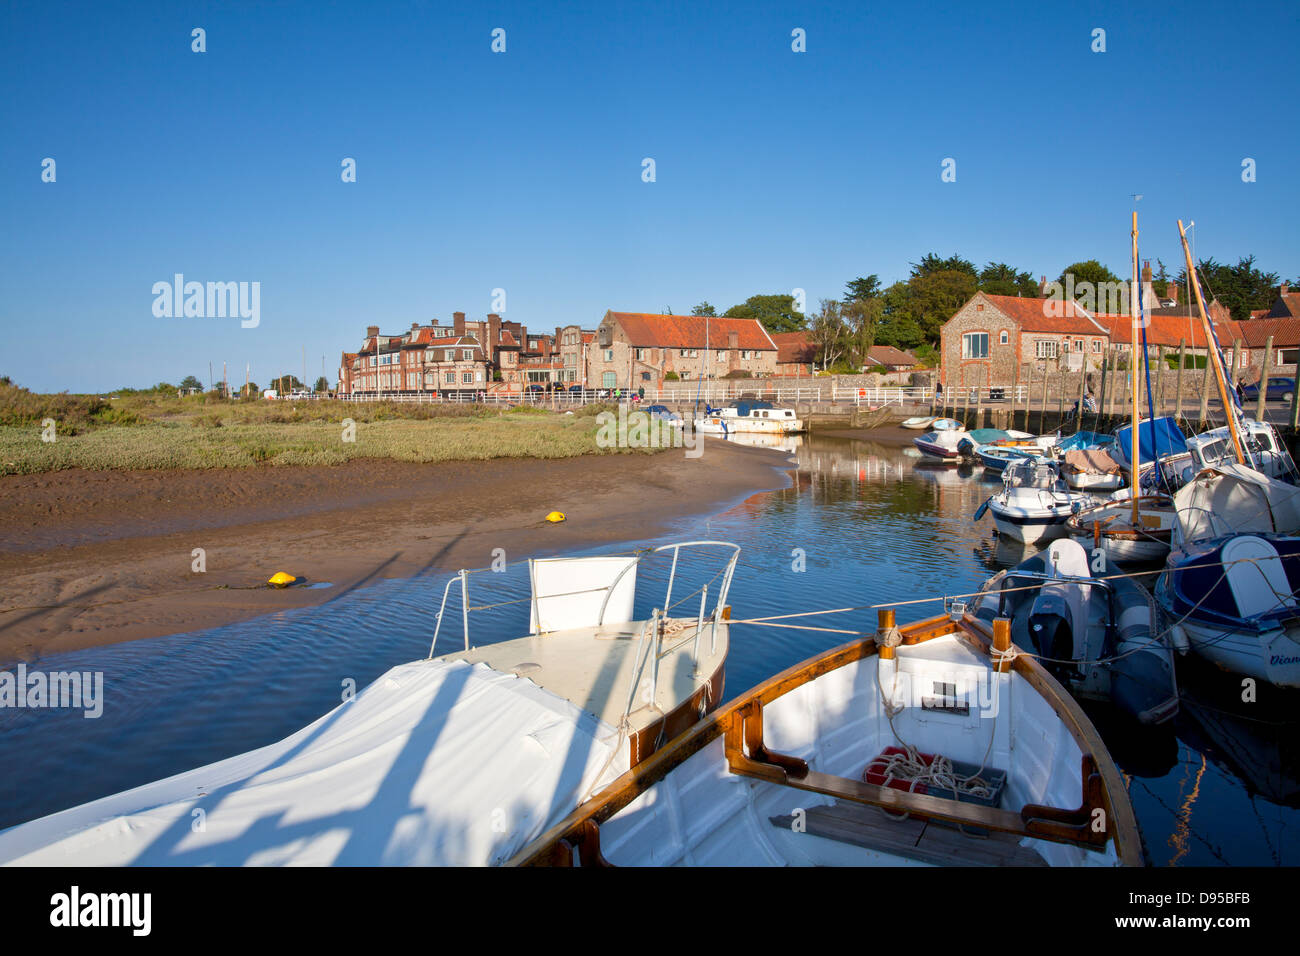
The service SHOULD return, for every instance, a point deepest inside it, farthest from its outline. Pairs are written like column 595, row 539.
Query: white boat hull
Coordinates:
column 720, row 425
column 1272, row 656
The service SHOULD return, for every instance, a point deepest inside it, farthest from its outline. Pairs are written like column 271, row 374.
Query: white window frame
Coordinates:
column 968, row 341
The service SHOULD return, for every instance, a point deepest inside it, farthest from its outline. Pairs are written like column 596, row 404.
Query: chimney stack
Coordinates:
column 1042, row 286
column 372, row 331
column 1285, row 288
column 1171, row 291
column 1149, row 298
column 458, row 322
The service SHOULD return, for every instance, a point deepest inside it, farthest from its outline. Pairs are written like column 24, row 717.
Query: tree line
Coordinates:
column 909, row 313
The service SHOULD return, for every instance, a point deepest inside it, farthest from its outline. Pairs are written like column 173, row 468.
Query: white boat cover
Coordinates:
column 436, row 762
column 1233, row 499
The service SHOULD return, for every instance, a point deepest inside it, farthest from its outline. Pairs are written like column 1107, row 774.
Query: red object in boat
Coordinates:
column 875, row 772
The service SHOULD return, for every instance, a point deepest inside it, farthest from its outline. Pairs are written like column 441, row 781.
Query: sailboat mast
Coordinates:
column 1212, row 349
column 1135, row 457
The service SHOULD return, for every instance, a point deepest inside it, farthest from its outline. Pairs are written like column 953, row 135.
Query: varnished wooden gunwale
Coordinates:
column 575, row 830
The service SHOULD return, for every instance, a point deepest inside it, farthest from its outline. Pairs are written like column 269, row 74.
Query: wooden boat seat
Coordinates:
column 748, row 757
column 915, row 839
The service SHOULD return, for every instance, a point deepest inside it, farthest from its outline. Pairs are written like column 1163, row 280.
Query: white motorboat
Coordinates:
column 938, row 724
column 1034, row 503
column 459, row 759
column 1230, row 583
column 746, row 415
column 933, row 424
column 946, row 444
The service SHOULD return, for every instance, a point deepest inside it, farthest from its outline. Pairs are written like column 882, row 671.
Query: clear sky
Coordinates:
column 522, row 170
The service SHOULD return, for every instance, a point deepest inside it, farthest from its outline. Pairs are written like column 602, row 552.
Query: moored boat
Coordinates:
column 458, row 759
column 943, row 445
column 1111, row 527
column 1091, row 469
column 1232, row 576
column 1034, row 503
column 749, row 415
column 1095, row 634
column 940, row 722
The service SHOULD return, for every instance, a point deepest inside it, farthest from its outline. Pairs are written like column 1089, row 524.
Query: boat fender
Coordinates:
column 556, row 516
column 1180, row 640
column 979, row 512
column 281, row 580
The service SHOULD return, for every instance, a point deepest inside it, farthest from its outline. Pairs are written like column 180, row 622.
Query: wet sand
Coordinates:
column 92, row 558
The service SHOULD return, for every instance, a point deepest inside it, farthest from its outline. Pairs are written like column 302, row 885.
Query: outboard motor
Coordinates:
column 1059, row 607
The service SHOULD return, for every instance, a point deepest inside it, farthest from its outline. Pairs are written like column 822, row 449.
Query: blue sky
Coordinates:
column 775, row 170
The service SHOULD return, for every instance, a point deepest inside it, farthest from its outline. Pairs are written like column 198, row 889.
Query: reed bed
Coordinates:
column 224, row 438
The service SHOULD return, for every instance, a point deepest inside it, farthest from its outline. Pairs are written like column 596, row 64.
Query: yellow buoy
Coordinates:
column 555, row 516
column 281, row 580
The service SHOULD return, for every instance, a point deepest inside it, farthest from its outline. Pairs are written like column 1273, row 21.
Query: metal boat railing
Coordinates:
column 659, row 616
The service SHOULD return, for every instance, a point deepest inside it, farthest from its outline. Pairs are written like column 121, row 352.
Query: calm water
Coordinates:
column 868, row 523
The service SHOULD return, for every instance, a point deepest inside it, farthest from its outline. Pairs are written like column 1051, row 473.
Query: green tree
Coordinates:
column 322, row 385
column 932, row 263
column 998, row 278
column 287, row 383
column 703, row 309
column 828, row 333
column 862, row 288
column 189, row 381
column 1088, row 271
column 775, row 312
column 862, row 318
column 1241, row 288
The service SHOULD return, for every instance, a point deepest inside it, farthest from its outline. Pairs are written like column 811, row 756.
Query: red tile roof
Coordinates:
column 649, row 330
column 1044, row 315
column 888, row 355
column 793, row 347
column 1166, row 330
column 1286, row 305
column 1255, row 333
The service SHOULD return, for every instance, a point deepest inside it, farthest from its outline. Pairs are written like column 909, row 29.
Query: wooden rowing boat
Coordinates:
column 782, row 775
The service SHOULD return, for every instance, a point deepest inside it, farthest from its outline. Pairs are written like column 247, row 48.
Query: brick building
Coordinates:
column 795, row 353
column 639, row 349
column 422, row 360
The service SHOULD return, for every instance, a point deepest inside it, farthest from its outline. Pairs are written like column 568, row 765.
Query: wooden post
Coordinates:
column 1042, row 412
column 1182, row 360
column 1029, row 388
column 1205, row 388
column 1083, row 390
column 979, row 409
column 1060, row 400
column 1002, row 642
column 884, row 622
column 1160, row 381
column 1105, row 384
column 1261, row 410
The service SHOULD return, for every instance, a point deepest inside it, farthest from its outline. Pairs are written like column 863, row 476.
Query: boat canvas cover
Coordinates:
column 438, row 762
column 743, row 408
column 1091, row 461
column 1234, row 499
column 1160, row 437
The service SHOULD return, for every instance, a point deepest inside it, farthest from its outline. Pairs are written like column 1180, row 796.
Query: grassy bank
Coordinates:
column 160, row 431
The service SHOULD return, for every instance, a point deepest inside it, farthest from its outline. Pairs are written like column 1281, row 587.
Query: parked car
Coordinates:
column 1278, row 388
column 575, row 389
column 535, row 388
